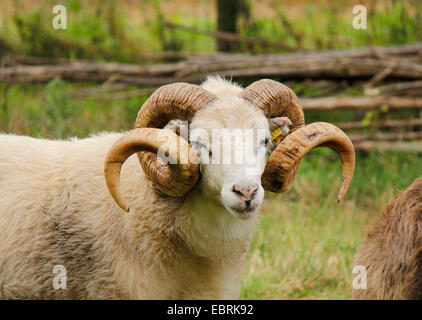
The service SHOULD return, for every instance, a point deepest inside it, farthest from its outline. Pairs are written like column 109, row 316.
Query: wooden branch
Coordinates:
column 155, row 75
column 386, row 136
column 379, row 76
column 390, row 53
column 14, row 60
column 314, row 68
column 413, row 146
column 233, row 37
column 383, row 124
column 343, row 64
column 104, row 94
column 344, row 102
column 79, row 69
column 343, row 68
column 409, row 53
column 395, row 88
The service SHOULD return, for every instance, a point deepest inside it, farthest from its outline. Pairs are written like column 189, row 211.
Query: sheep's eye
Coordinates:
column 199, row 146
column 265, row 142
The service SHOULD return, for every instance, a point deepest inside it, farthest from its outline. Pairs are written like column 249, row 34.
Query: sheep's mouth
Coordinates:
column 243, row 213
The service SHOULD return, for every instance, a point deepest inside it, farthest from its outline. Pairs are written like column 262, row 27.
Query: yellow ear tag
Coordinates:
column 276, row 135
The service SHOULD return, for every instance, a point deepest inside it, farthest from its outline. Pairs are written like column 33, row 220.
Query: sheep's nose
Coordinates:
column 245, row 192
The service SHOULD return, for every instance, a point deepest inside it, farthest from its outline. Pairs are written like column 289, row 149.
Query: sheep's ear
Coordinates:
column 179, row 127
column 279, row 128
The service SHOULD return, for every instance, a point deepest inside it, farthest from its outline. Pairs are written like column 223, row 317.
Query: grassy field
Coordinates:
column 304, row 246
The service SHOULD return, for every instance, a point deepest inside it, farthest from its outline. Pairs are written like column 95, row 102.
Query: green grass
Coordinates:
column 305, row 243
column 49, row 111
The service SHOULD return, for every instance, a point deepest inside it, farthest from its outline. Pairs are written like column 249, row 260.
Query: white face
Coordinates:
column 232, row 149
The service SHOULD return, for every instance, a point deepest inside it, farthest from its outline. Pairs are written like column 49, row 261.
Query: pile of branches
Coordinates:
column 388, row 77
column 379, row 63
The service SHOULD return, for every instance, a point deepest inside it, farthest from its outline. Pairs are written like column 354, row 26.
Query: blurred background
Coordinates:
column 89, row 68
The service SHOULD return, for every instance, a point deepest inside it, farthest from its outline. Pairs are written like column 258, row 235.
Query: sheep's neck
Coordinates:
column 210, row 230
column 194, row 238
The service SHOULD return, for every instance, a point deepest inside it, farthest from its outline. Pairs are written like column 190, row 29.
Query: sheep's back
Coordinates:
column 52, row 198
column 392, row 250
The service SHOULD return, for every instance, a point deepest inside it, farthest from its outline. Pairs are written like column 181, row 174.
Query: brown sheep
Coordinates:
column 392, row 250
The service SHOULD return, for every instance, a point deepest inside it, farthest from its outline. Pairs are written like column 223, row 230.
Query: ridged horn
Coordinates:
column 276, row 100
column 171, row 179
column 282, row 165
column 173, row 101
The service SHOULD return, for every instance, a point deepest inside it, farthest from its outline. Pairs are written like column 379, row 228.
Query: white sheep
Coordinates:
column 189, row 225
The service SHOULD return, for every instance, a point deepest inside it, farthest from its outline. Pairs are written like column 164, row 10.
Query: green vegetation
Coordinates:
column 100, row 30
column 305, row 243
column 49, row 111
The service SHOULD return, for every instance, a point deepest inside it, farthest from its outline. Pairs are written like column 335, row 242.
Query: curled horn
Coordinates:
column 276, row 100
column 280, row 171
column 174, row 101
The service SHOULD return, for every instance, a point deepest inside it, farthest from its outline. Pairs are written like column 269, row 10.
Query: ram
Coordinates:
column 180, row 227
column 391, row 254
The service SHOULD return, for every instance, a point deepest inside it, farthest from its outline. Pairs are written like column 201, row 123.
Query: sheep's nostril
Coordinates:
column 245, row 192
column 236, row 189
column 253, row 194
